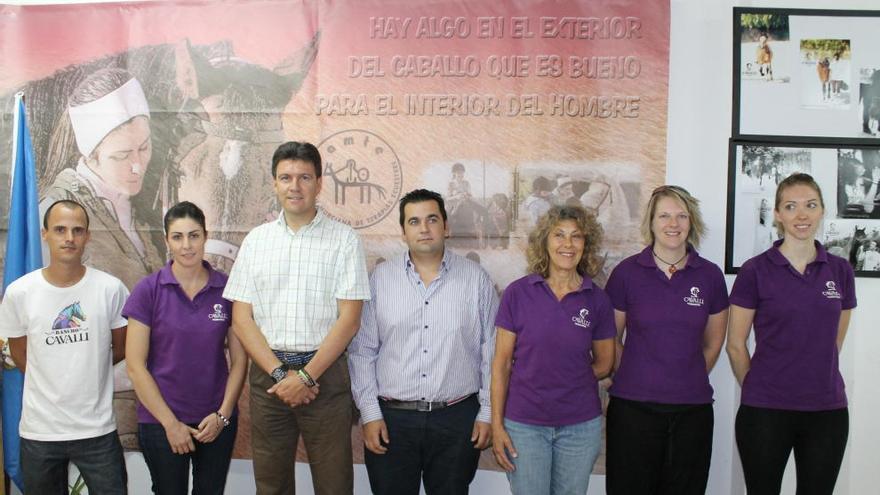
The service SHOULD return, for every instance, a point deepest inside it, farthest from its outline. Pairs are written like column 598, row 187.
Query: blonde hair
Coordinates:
column 538, row 257
column 691, row 205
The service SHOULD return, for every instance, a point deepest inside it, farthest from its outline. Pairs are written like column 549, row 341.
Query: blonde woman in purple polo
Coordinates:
column 670, row 307
column 798, row 298
column 555, row 338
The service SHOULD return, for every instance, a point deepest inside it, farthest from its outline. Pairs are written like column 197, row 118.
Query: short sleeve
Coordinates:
column 849, row 284
column 719, row 301
column 352, row 281
column 745, row 288
column 505, row 318
column 141, row 302
column 239, row 286
column 605, row 327
column 616, row 287
column 118, row 296
column 12, row 322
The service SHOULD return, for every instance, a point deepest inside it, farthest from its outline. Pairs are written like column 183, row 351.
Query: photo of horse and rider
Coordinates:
column 764, row 52
column 826, row 73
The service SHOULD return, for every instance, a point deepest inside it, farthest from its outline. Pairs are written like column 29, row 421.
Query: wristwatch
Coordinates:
column 280, row 373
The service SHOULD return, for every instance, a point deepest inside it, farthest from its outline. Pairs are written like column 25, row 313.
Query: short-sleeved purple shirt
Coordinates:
column 552, row 381
column 186, row 358
column 795, row 365
column 665, row 324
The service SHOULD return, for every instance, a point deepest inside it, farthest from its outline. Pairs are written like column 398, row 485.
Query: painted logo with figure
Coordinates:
column 218, row 314
column 694, row 299
column 69, row 326
column 831, row 290
column 581, row 318
column 362, row 177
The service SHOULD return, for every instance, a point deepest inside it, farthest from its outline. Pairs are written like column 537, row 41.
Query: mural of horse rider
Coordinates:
column 466, row 216
column 109, row 119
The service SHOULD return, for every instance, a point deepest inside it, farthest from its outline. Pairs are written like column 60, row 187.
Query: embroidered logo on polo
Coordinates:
column 218, row 314
column 694, row 299
column 581, row 318
column 831, row 290
column 69, row 326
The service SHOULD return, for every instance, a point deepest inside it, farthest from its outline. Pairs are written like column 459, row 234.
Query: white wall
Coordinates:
column 699, row 128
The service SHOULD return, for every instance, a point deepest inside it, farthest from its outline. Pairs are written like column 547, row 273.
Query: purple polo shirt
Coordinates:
column 552, row 381
column 794, row 365
column 187, row 339
column 666, row 320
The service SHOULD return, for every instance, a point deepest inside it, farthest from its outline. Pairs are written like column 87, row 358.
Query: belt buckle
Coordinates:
column 424, row 406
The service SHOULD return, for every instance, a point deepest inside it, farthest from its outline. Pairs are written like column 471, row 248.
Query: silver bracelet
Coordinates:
column 222, row 418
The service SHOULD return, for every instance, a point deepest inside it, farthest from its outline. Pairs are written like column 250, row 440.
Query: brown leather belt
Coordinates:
column 420, row 405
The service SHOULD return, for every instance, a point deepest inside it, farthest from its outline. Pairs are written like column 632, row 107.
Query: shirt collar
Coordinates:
column 319, row 217
column 778, row 258
column 444, row 263
column 646, row 257
column 166, row 276
column 537, row 278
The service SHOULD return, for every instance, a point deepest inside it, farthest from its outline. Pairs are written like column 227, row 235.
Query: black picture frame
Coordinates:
column 850, row 225
column 806, row 121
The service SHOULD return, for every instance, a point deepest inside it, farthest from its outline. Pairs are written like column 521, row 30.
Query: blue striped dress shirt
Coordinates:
column 431, row 343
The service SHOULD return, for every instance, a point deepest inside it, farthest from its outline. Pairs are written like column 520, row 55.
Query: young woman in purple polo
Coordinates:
column 178, row 329
column 670, row 307
column 798, row 298
column 555, row 337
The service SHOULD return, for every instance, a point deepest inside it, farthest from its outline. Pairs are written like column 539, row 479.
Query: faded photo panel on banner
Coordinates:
column 505, row 108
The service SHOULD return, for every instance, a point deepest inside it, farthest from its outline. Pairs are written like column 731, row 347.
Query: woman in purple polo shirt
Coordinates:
column 670, row 307
column 178, row 328
column 798, row 297
column 555, row 337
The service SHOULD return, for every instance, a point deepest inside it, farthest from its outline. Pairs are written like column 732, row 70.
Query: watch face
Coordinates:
column 362, row 178
column 279, row 373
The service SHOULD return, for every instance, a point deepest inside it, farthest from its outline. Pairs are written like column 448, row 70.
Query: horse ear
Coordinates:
column 295, row 67
column 186, row 75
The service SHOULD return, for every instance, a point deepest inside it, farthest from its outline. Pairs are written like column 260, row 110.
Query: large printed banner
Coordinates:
column 505, row 107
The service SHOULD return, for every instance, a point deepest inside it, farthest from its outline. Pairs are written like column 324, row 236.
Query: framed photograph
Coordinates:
column 806, row 76
column 849, row 178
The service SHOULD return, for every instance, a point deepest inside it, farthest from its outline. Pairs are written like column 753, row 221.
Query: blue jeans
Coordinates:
column 99, row 460
column 170, row 471
column 553, row 460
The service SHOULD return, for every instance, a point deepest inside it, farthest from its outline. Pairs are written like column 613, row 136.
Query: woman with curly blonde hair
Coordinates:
column 555, row 339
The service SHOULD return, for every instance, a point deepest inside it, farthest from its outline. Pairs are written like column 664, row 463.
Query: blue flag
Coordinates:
column 23, row 255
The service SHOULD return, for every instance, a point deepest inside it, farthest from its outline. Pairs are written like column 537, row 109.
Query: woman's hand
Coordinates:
column 501, row 446
column 209, row 428
column 180, row 438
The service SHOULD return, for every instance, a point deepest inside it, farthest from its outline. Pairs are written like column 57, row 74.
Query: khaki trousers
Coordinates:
column 325, row 425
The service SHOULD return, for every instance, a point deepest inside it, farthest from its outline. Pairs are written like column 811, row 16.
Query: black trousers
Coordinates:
column 766, row 437
column 435, row 445
column 657, row 449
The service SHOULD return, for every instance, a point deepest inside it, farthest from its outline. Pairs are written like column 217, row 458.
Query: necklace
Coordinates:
column 672, row 269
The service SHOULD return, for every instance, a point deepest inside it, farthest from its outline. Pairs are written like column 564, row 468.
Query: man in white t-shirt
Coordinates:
column 65, row 329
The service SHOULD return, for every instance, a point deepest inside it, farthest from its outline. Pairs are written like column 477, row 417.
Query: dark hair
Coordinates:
column 419, row 195
column 69, row 203
column 457, row 167
column 184, row 209
column 293, row 150
column 542, row 183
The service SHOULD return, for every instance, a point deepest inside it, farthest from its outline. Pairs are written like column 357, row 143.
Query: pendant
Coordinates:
column 672, row 269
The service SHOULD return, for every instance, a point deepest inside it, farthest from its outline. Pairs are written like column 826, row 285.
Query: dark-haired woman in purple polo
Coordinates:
column 178, row 329
column 555, row 337
column 798, row 297
column 670, row 307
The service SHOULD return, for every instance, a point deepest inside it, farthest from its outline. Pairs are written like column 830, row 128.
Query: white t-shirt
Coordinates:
column 68, row 386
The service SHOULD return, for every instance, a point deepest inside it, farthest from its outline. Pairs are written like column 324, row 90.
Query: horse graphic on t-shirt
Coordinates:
column 70, row 317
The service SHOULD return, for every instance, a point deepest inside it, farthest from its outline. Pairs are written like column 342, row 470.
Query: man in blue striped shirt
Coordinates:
column 420, row 363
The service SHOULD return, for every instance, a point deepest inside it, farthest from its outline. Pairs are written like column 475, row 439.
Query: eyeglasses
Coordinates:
column 667, row 188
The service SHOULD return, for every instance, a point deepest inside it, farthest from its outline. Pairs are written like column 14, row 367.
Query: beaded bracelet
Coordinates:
column 223, row 418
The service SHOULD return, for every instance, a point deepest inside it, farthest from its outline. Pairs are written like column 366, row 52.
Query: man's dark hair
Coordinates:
column 293, row 150
column 184, row 209
column 419, row 195
column 69, row 203
column 542, row 183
